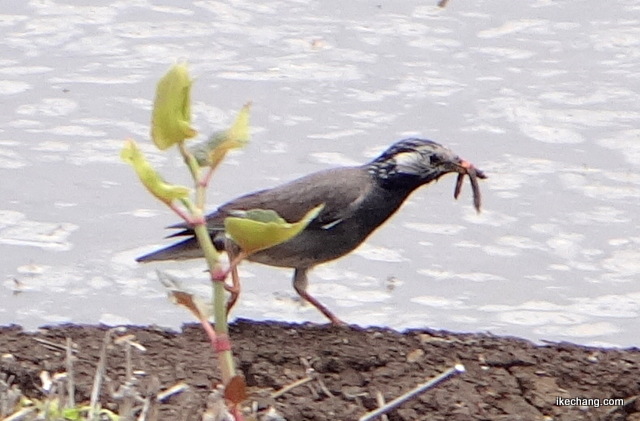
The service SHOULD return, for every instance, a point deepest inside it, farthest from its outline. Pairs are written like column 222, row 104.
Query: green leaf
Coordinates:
column 260, row 215
column 212, row 151
column 110, row 414
column 150, row 178
column 259, row 229
column 72, row 414
column 171, row 118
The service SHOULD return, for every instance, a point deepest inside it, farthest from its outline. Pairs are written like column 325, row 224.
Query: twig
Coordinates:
column 71, row 387
column 380, row 401
column 145, row 409
column 53, row 345
column 129, row 387
column 20, row 415
column 458, row 368
column 324, row 387
column 313, row 373
column 288, row 387
column 100, row 371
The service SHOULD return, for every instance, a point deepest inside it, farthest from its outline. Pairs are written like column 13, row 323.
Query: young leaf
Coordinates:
column 191, row 302
column 212, row 151
column 259, row 229
column 179, row 296
column 150, row 178
column 171, row 118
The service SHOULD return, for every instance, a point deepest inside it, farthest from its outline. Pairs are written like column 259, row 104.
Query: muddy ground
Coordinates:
column 505, row 378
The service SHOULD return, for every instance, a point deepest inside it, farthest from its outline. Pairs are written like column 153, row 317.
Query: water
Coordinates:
column 542, row 96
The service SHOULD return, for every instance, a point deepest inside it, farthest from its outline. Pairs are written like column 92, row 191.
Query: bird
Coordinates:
column 356, row 201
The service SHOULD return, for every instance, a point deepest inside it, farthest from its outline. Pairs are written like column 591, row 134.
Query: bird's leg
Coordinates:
column 234, row 289
column 300, row 283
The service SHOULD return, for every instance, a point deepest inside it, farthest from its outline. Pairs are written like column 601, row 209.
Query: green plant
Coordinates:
column 253, row 231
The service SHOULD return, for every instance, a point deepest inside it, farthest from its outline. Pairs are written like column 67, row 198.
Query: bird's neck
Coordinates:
column 384, row 201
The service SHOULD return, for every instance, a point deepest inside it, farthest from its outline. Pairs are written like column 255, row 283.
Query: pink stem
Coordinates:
column 185, row 216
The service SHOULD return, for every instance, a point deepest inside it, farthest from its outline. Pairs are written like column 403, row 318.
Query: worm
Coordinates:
column 473, row 174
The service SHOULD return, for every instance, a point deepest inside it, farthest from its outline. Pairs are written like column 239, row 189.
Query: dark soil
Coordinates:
column 505, row 378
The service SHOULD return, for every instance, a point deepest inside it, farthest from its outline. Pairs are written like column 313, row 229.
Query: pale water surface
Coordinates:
column 542, row 95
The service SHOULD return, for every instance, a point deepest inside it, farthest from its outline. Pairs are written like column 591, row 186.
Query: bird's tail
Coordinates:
column 186, row 249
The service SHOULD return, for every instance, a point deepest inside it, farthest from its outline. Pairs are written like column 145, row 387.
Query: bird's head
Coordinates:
column 414, row 162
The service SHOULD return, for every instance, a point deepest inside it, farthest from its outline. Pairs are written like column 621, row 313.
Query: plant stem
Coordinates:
column 207, row 177
column 190, row 160
column 225, row 357
column 219, row 306
column 182, row 214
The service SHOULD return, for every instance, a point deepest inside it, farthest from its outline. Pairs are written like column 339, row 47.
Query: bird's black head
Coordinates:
column 414, row 162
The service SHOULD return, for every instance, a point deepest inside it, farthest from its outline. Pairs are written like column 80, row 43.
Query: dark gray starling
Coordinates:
column 357, row 200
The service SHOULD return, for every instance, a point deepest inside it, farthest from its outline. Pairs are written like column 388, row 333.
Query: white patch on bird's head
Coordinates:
column 410, row 162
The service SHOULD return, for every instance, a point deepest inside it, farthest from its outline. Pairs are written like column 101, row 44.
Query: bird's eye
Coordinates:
column 436, row 159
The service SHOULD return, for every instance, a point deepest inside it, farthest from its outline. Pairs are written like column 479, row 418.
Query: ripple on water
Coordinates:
column 551, row 134
column 566, row 245
column 46, row 315
column 599, row 215
column 379, row 254
column 46, row 235
column 500, row 53
column 537, row 318
column 622, row 306
column 439, row 302
column 346, row 277
column 597, row 189
column 582, row 330
column 444, row 229
column 333, row 158
column 424, row 86
column 490, row 218
column 25, row 70
column 437, row 274
column 519, row 242
column 76, row 78
column 51, row 146
column 335, row 134
column 110, row 319
column 432, row 43
column 528, row 26
column 12, row 87
column 48, row 107
column 624, row 264
column 11, row 160
column 599, row 95
column 625, row 141
column 499, row 251
column 48, row 279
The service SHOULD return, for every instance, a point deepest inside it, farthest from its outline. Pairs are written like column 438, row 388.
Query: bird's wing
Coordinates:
column 340, row 190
